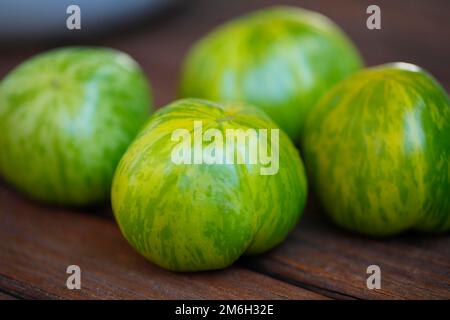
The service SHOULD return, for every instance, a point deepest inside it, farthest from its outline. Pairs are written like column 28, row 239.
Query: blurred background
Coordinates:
column 158, row 33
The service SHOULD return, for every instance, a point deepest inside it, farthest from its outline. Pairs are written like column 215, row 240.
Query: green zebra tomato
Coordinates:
column 66, row 118
column 201, row 215
column 280, row 59
column 377, row 149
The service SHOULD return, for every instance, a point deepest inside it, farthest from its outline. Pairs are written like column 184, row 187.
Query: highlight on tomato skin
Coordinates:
column 377, row 151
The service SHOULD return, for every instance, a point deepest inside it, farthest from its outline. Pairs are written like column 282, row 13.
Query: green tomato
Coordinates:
column 66, row 118
column 280, row 59
column 377, row 148
column 191, row 217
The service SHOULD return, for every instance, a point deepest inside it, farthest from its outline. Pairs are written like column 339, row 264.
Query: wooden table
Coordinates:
column 317, row 261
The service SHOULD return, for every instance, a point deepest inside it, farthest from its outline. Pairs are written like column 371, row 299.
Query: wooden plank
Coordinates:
column 322, row 257
column 6, row 296
column 38, row 242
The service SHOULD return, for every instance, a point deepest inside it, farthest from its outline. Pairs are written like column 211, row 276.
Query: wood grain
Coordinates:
column 6, row 296
column 38, row 242
column 323, row 258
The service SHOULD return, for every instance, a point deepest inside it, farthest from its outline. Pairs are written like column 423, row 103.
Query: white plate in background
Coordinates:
column 42, row 19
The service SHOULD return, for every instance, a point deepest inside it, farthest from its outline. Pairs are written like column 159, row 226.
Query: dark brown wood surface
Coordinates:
column 317, row 261
column 38, row 243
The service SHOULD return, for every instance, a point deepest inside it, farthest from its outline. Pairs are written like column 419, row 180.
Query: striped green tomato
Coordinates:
column 191, row 217
column 66, row 118
column 280, row 59
column 377, row 148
